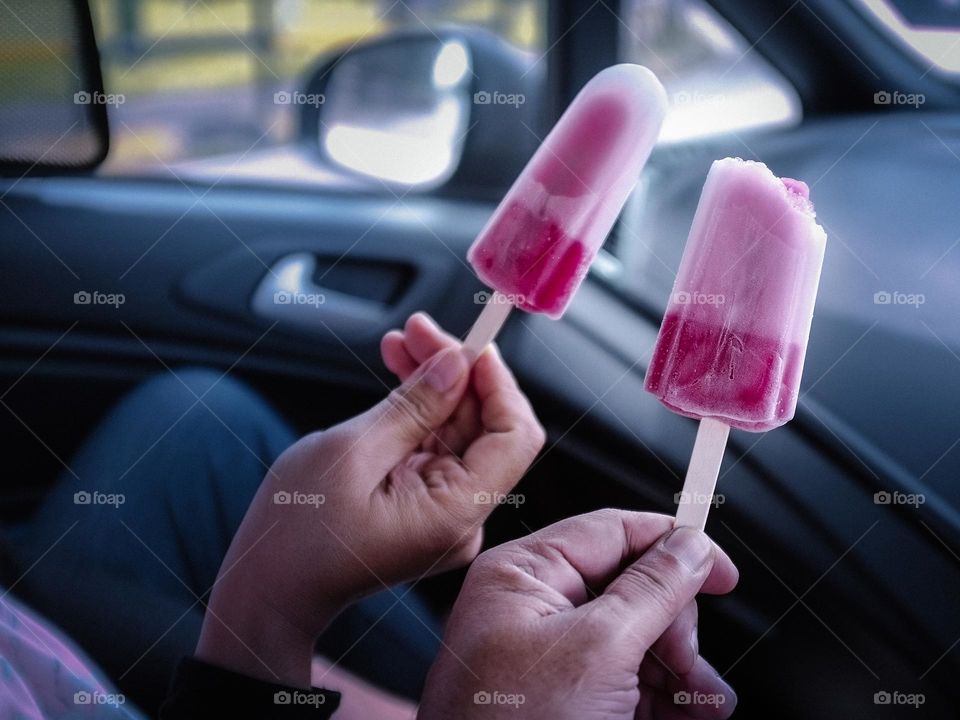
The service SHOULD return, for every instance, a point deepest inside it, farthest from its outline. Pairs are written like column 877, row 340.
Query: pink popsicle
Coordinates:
column 734, row 336
column 539, row 243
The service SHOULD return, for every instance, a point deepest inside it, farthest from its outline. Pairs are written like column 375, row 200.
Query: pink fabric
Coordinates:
column 43, row 676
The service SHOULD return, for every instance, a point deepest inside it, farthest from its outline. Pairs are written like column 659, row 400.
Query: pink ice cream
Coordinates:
column 734, row 336
column 539, row 243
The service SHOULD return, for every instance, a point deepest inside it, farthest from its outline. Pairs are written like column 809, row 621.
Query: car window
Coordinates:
column 221, row 78
column 716, row 82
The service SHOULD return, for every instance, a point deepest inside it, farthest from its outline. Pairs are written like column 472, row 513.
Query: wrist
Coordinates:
column 245, row 634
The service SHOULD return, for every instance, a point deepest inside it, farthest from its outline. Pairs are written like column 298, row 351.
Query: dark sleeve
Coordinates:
column 201, row 690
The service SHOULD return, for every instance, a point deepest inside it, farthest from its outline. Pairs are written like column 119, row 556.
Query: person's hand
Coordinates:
column 388, row 496
column 531, row 637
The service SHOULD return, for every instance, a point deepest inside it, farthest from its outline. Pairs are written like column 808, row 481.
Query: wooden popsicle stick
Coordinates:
column 487, row 325
column 697, row 494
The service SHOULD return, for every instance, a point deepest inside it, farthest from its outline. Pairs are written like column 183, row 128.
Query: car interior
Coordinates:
column 276, row 147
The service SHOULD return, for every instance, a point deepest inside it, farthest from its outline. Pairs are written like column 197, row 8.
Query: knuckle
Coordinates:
column 500, row 572
column 497, row 562
column 657, row 588
column 399, row 403
column 406, row 408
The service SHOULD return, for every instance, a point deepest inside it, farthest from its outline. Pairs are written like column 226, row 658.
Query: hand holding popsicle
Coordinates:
column 537, row 247
column 386, row 496
column 732, row 344
column 591, row 618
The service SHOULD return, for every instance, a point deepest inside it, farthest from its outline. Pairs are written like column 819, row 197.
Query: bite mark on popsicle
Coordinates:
column 740, row 361
column 797, row 187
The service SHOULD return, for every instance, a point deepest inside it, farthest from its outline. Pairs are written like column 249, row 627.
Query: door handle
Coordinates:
column 289, row 294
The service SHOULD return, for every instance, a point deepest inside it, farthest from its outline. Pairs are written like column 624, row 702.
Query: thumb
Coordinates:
column 649, row 595
column 410, row 413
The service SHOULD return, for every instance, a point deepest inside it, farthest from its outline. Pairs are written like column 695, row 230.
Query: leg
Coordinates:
column 182, row 471
column 186, row 470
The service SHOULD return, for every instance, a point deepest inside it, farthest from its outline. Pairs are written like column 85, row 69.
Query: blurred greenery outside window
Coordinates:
column 195, row 77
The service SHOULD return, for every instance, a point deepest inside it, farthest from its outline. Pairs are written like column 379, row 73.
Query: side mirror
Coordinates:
column 455, row 110
column 53, row 117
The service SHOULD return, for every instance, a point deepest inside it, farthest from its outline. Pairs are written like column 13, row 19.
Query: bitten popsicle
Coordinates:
column 733, row 339
column 537, row 247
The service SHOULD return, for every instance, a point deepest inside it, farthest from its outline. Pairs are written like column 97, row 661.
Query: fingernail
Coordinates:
column 444, row 371
column 694, row 642
column 689, row 546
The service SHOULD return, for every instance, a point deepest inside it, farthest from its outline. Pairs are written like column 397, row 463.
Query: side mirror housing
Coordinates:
column 456, row 111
